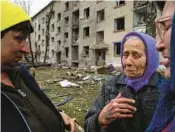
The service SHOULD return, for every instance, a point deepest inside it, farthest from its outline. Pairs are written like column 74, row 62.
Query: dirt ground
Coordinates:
column 83, row 96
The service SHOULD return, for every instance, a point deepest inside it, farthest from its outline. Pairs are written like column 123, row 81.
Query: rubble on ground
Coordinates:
column 82, row 76
column 74, row 100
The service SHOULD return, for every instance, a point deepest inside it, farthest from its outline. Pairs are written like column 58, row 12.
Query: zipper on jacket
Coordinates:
column 21, row 93
column 18, row 111
column 32, row 108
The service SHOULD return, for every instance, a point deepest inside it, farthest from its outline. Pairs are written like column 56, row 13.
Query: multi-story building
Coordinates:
column 84, row 32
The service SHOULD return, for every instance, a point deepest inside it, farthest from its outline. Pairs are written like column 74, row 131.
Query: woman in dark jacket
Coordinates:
column 164, row 117
column 127, row 101
column 24, row 107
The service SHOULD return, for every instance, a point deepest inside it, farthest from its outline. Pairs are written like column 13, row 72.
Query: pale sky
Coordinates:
column 36, row 6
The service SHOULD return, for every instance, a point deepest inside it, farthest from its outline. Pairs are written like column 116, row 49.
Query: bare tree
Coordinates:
column 49, row 15
column 26, row 5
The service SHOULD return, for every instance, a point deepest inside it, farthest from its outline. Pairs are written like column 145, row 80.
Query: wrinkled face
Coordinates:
column 13, row 47
column 134, row 58
column 163, row 44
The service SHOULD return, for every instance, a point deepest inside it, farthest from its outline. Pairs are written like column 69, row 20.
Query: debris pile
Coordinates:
column 73, row 90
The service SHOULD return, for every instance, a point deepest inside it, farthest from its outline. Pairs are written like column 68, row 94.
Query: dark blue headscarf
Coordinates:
column 165, row 112
column 152, row 60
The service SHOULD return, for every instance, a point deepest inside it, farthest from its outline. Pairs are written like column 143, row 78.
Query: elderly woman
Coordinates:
column 127, row 101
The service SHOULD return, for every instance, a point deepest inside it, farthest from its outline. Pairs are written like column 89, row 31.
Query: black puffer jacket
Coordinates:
column 13, row 119
column 146, row 100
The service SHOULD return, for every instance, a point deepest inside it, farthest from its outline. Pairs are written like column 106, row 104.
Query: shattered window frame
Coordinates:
column 87, row 12
column 67, row 52
column 59, row 17
column 86, row 51
column 100, row 15
column 117, row 46
column 119, row 3
column 119, row 24
column 86, row 32
column 100, row 36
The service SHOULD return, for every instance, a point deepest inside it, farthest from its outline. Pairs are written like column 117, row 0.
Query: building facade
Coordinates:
column 84, row 32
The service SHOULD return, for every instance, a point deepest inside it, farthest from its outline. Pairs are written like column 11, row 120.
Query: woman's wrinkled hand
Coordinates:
column 117, row 108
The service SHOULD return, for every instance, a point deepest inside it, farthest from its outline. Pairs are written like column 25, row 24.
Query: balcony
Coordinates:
column 99, row 45
column 37, row 52
column 75, row 41
column 140, row 3
column 140, row 6
column 75, row 24
column 65, row 42
column 140, row 28
column 75, row 5
column 58, row 49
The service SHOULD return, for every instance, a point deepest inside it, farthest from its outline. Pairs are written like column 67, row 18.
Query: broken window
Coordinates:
column 53, row 53
column 47, row 53
column 66, row 6
column 86, row 12
column 59, row 42
column 141, row 19
column 75, row 34
column 100, row 36
column 75, row 3
column 42, row 31
column 58, row 30
column 59, row 17
column 35, row 46
column 117, row 48
column 66, row 20
column 120, row 2
column 66, row 36
column 39, row 27
column 75, row 17
column 119, row 23
column 39, row 48
column 75, row 53
column 86, row 32
column 52, row 40
column 53, row 14
column 38, row 37
column 86, row 51
column 42, row 42
column 100, row 15
column 43, row 20
column 53, row 28
column 67, row 52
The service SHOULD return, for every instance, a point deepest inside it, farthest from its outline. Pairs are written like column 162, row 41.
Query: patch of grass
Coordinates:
column 83, row 97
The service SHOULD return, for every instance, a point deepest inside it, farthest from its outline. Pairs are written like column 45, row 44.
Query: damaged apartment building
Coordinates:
column 84, row 32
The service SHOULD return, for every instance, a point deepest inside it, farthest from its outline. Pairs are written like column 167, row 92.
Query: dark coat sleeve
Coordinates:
column 91, row 119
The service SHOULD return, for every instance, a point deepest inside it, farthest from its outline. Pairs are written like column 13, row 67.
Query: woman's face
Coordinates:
column 134, row 58
column 163, row 44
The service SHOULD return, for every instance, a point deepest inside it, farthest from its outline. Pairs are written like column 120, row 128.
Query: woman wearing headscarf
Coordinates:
column 127, row 101
column 164, row 117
